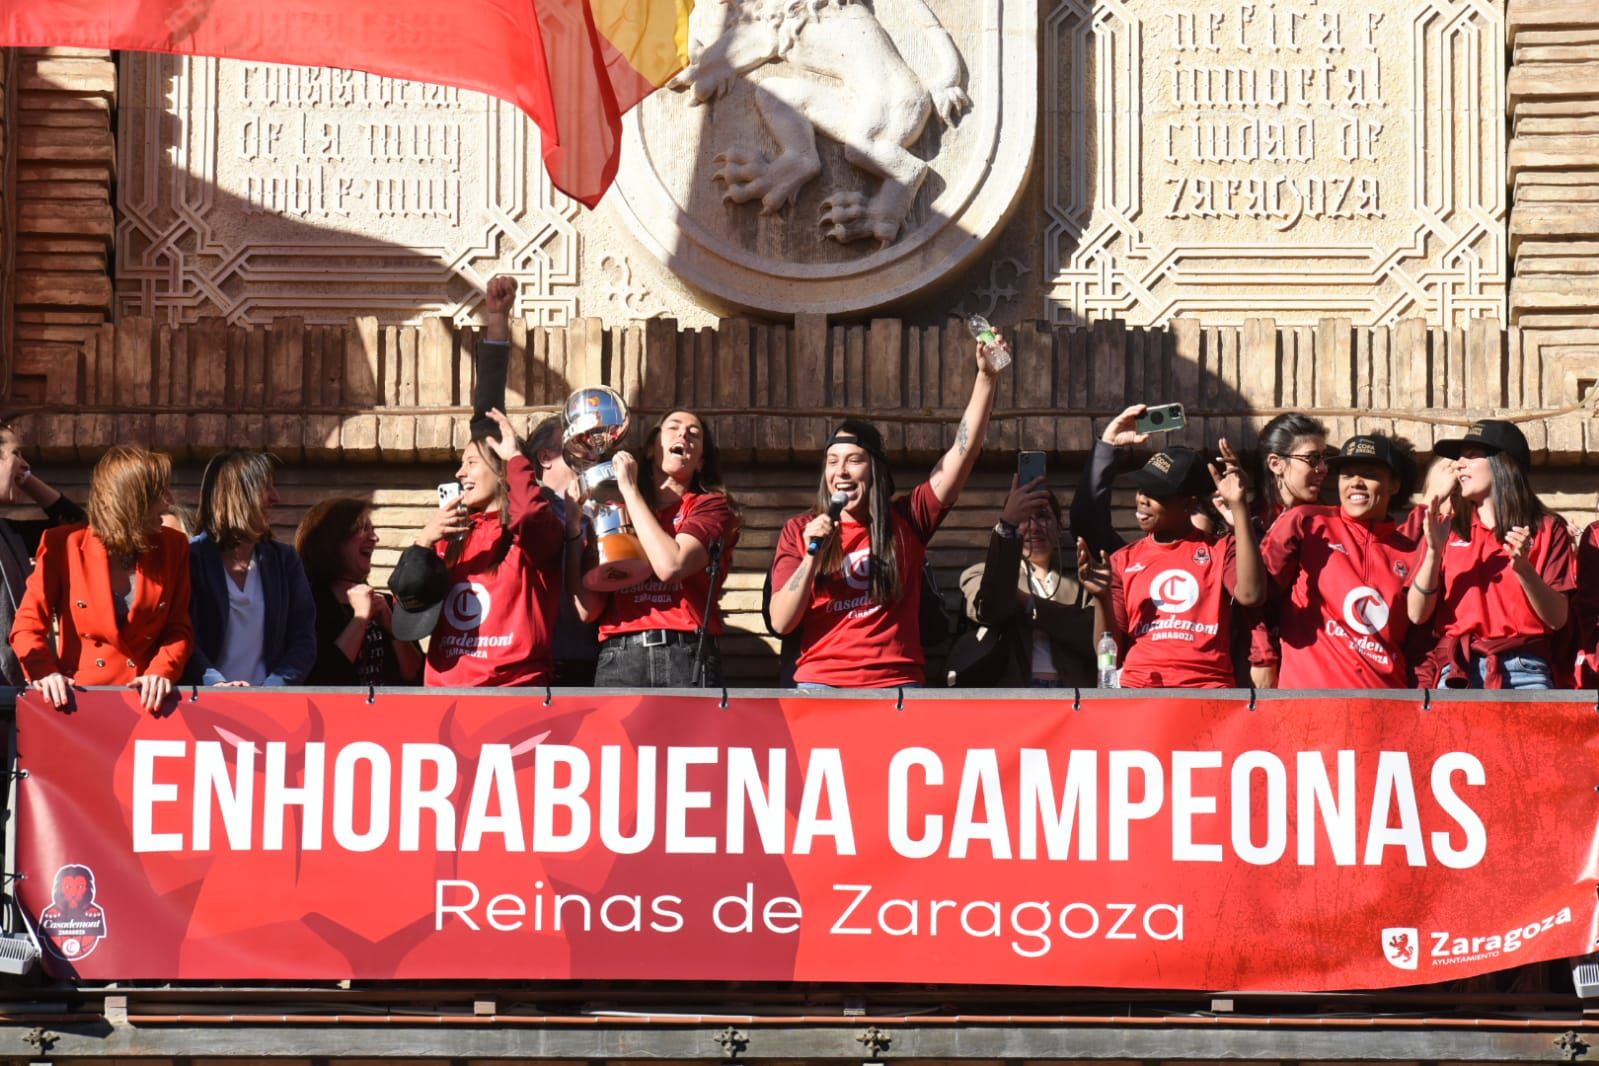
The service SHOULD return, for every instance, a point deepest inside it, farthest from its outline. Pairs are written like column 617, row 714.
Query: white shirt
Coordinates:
column 243, row 643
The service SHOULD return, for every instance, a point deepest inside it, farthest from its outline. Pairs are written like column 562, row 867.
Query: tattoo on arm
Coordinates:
column 796, row 582
column 963, row 437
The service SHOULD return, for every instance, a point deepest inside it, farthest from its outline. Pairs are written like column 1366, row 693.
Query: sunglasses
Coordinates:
column 1310, row 459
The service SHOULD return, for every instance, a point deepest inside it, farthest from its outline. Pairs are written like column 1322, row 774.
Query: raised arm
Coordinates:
column 1421, row 599
column 672, row 556
column 1090, row 511
column 1249, row 581
column 950, row 474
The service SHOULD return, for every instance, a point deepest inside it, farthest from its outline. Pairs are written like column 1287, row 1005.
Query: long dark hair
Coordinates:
column 1277, row 437
column 885, row 584
column 1515, row 504
column 708, row 478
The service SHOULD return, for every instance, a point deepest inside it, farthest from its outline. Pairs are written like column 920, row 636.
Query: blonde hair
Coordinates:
column 233, row 497
column 126, row 484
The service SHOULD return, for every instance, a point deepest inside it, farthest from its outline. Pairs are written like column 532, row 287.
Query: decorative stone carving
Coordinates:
column 1302, row 157
column 885, row 141
column 251, row 190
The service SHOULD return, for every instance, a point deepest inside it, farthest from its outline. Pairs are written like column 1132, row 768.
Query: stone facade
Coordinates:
column 229, row 324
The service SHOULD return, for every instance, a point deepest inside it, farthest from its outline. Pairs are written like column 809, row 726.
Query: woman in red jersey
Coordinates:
column 483, row 577
column 1343, row 573
column 1508, row 570
column 1168, row 597
column 851, row 587
column 685, row 521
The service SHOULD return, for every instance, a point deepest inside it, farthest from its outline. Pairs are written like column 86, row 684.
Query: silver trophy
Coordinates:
column 596, row 422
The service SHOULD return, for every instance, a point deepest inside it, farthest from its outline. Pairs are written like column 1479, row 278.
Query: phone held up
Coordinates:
column 449, row 492
column 1029, row 467
column 1162, row 419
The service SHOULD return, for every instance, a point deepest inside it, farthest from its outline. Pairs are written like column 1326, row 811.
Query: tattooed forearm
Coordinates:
column 963, row 437
column 796, row 582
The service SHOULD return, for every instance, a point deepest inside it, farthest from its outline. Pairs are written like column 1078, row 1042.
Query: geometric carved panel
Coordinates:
column 1298, row 159
column 251, row 190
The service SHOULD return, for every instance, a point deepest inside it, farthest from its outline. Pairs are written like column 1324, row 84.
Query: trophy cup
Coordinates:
column 596, row 421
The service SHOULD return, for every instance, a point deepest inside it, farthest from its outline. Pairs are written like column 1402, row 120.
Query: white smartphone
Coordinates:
column 449, row 492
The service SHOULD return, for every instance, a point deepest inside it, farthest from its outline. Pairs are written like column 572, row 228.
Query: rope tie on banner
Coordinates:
column 1426, row 699
column 723, row 704
column 19, row 774
column 549, row 695
column 1077, row 699
column 194, row 694
column 899, row 701
column 1251, row 698
column 371, row 694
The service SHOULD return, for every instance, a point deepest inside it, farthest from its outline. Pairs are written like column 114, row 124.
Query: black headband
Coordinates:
column 874, row 450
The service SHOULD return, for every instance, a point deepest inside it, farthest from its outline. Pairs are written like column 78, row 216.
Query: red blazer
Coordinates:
column 71, row 584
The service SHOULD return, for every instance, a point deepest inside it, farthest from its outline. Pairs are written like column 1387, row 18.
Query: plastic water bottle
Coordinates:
column 984, row 333
column 1107, row 661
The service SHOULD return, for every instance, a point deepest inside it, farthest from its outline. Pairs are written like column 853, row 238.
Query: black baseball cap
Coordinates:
column 419, row 583
column 1177, row 471
column 866, row 436
column 1492, row 436
column 1370, row 449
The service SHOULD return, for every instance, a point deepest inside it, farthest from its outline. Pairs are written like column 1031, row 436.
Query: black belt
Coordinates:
column 652, row 638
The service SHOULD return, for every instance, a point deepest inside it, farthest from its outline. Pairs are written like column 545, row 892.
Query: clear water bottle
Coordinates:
column 1107, row 661
column 984, row 333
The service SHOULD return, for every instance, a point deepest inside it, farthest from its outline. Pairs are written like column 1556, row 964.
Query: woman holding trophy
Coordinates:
column 847, row 575
column 659, row 632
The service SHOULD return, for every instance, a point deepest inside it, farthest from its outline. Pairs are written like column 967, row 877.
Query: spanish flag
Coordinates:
column 575, row 66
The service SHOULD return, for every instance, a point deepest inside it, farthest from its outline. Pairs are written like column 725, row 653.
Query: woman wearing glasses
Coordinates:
column 1293, row 467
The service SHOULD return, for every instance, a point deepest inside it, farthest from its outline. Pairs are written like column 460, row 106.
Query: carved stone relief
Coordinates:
column 251, row 190
column 833, row 154
column 1305, row 157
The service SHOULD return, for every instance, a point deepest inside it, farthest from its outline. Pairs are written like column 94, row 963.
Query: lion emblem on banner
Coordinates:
column 835, row 69
column 74, row 924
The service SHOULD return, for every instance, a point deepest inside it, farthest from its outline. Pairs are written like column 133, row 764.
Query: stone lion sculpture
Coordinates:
column 835, row 70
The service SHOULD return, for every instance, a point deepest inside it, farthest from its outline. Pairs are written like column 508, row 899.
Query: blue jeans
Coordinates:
column 1520, row 672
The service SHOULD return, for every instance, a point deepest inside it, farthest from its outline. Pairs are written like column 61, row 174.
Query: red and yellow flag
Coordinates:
column 575, row 66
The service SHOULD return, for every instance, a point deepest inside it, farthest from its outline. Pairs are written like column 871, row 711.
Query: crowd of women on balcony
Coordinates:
column 1321, row 574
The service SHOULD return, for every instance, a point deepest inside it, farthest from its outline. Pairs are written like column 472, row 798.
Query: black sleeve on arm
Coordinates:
column 1090, row 513
column 488, row 385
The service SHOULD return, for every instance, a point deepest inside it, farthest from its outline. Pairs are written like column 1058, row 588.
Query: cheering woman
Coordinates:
column 1508, row 570
column 650, row 634
column 847, row 574
column 1343, row 573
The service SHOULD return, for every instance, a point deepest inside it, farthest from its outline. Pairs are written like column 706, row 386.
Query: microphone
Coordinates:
column 835, row 507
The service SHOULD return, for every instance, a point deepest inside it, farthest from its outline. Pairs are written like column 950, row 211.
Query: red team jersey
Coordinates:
column 847, row 639
column 1482, row 597
column 1173, row 601
column 1342, row 618
column 499, row 614
column 679, row 605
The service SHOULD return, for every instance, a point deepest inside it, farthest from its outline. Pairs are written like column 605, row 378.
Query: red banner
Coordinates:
column 1309, row 843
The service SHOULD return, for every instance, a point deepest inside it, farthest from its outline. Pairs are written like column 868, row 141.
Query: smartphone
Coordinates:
column 449, row 492
column 1029, row 467
column 1162, row 419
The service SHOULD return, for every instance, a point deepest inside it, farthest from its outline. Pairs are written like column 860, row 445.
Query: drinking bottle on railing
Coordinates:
column 1107, row 661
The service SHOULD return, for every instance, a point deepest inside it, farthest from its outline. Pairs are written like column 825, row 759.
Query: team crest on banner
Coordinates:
column 1400, row 946
column 73, row 924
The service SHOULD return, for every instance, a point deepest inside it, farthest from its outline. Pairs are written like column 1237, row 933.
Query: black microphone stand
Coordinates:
column 713, row 569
